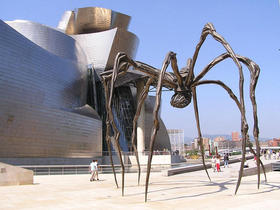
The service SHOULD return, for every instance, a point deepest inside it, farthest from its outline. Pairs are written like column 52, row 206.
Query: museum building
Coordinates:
column 52, row 100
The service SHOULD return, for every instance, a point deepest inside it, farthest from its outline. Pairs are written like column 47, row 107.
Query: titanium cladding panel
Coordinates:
column 50, row 39
column 102, row 47
column 38, row 90
column 101, row 33
column 91, row 20
column 43, row 82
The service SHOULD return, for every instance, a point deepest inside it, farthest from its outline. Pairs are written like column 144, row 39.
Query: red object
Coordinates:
column 218, row 167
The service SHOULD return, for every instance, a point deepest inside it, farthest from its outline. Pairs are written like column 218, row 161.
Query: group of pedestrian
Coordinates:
column 271, row 154
column 216, row 162
column 93, row 168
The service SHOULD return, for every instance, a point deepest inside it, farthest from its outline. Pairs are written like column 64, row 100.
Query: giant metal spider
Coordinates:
column 184, row 84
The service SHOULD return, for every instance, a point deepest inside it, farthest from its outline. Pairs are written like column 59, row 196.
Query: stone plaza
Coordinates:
column 184, row 191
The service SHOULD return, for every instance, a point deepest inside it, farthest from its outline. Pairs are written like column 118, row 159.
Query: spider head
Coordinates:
column 181, row 99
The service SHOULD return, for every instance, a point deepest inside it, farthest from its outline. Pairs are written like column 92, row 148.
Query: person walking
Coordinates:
column 92, row 170
column 269, row 154
column 226, row 159
column 277, row 155
column 96, row 169
column 93, row 167
column 273, row 155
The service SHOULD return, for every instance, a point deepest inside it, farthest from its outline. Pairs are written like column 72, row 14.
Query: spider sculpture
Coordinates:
column 184, row 84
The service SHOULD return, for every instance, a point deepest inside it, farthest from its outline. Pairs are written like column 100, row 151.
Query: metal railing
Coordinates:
column 67, row 169
column 157, row 152
column 84, row 169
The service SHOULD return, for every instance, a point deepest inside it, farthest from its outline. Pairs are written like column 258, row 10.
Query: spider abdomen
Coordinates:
column 181, row 99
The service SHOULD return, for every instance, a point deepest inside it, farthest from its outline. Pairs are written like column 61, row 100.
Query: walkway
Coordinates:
column 184, row 191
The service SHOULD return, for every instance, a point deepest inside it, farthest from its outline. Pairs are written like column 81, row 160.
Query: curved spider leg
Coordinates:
column 260, row 162
column 108, row 129
column 121, row 65
column 180, row 82
column 141, row 100
column 175, row 69
column 118, row 65
column 155, row 116
column 198, row 129
column 209, row 29
column 243, row 124
column 233, row 96
column 116, row 137
column 254, row 74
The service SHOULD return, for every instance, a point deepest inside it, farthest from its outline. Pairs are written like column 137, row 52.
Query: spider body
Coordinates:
column 184, row 84
column 181, row 98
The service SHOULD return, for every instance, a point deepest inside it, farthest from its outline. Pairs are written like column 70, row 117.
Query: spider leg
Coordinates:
column 116, row 70
column 198, row 129
column 108, row 129
column 180, row 82
column 233, row 96
column 254, row 74
column 255, row 71
column 141, row 100
column 244, row 125
column 121, row 65
column 209, row 29
column 155, row 116
column 244, row 130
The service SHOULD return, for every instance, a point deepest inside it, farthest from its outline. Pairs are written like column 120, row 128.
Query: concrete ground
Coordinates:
column 184, row 191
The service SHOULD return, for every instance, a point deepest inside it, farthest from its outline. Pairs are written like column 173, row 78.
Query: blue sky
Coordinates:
column 251, row 27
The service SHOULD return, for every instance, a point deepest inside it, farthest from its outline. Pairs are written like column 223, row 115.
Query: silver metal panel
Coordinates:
column 97, row 47
column 35, row 131
column 36, row 89
column 43, row 83
column 162, row 139
column 124, row 41
column 32, row 75
column 101, row 48
column 49, row 39
column 66, row 24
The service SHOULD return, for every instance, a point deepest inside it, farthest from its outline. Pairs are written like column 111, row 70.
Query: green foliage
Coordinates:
column 192, row 152
column 236, row 153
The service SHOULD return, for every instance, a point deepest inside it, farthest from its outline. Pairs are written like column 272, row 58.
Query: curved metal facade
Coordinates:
column 50, row 39
column 101, row 33
column 162, row 139
column 91, row 20
column 44, row 82
column 101, row 48
column 38, row 91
